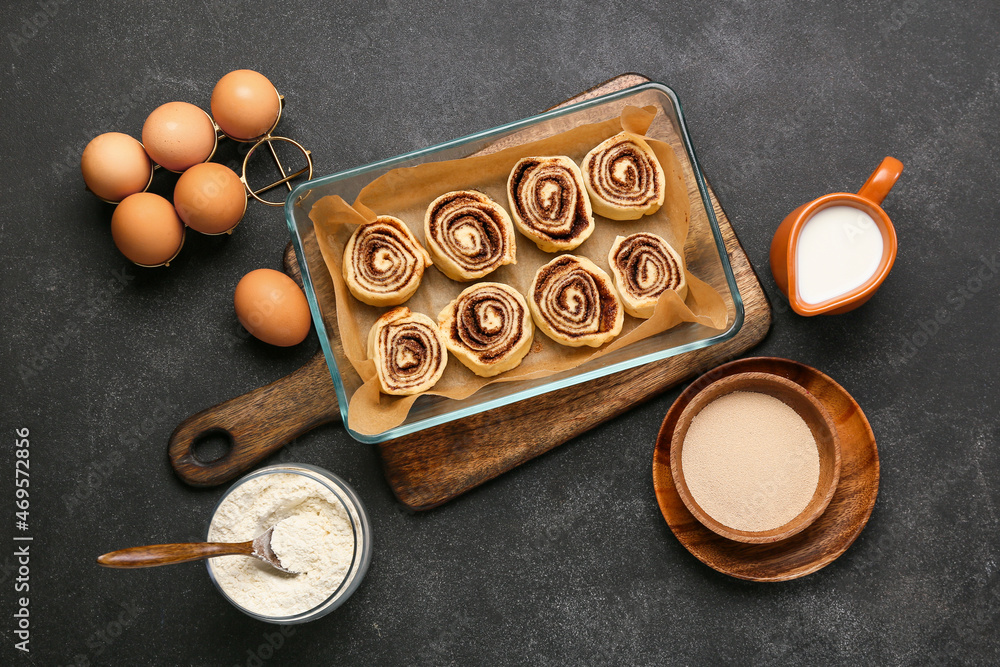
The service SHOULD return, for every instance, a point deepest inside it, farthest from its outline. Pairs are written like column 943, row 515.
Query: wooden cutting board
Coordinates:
column 430, row 467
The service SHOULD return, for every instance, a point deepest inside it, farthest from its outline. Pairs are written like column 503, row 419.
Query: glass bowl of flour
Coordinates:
column 321, row 532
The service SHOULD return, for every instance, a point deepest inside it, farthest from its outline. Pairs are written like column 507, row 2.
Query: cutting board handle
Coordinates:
column 259, row 423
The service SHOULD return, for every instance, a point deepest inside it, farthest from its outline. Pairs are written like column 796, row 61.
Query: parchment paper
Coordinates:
column 406, row 193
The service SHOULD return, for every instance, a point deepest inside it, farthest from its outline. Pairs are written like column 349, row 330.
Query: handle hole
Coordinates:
column 212, row 445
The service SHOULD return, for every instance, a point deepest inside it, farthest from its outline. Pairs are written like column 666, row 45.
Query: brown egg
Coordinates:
column 245, row 104
column 114, row 166
column 210, row 198
column 272, row 307
column 178, row 135
column 146, row 229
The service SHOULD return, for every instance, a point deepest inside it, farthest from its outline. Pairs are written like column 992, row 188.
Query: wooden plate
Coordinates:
column 823, row 541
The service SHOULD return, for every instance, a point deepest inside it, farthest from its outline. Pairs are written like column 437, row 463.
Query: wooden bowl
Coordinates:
column 829, row 536
column 807, row 407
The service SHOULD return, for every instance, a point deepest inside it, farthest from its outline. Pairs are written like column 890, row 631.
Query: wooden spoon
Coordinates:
column 168, row 554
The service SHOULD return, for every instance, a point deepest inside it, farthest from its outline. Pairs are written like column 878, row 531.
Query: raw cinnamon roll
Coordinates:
column 408, row 350
column 644, row 267
column 384, row 262
column 573, row 302
column 624, row 178
column 488, row 328
column 468, row 235
column 549, row 203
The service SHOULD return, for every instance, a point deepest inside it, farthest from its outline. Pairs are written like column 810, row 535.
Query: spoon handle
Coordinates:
column 167, row 554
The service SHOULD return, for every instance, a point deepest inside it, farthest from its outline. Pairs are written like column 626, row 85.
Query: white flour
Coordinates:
column 314, row 538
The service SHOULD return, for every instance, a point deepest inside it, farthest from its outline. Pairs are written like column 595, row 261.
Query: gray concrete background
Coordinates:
column 566, row 560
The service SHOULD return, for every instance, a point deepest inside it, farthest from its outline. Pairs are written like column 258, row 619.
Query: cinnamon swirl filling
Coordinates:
column 468, row 235
column 408, row 350
column 624, row 178
column 488, row 328
column 645, row 266
column 384, row 262
column 549, row 202
column 573, row 301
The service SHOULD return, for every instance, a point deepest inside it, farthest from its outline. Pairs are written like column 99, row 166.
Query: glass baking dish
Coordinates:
column 704, row 251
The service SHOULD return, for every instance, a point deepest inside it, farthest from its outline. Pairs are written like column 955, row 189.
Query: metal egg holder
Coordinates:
column 265, row 139
column 286, row 178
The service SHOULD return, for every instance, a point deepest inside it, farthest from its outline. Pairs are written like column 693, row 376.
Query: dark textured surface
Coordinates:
column 566, row 560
